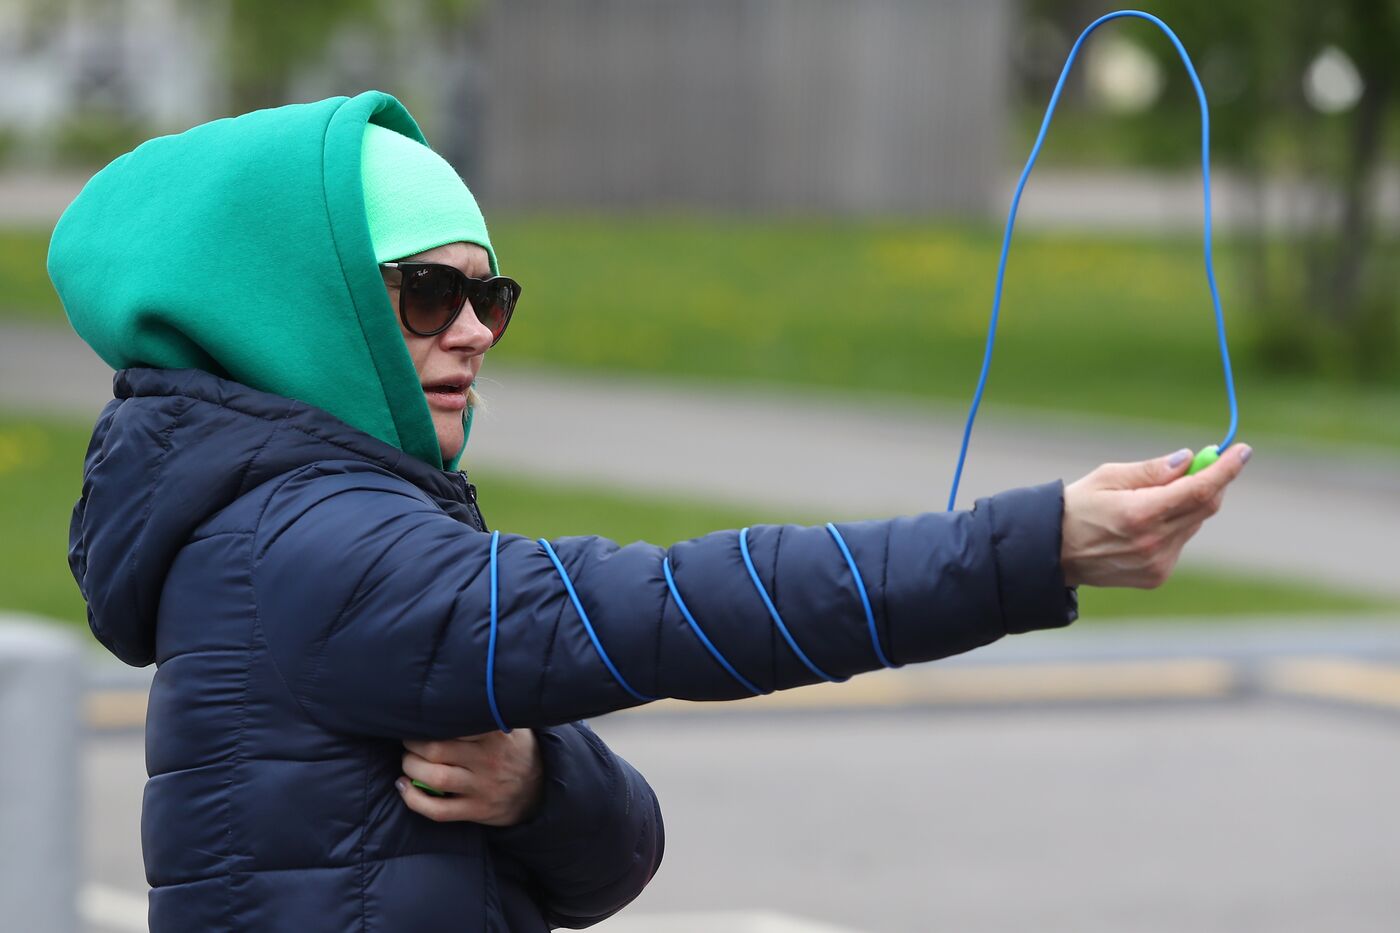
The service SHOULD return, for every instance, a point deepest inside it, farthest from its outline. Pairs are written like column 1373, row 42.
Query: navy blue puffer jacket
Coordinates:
column 312, row 596
column 271, row 803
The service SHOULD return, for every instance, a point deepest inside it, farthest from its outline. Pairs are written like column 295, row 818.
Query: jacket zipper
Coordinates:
column 472, row 508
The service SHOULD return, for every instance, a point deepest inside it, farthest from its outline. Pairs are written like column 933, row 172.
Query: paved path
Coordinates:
column 1252, row 815
column 1081, row 780
column 1297, row 515
column 1095, row 199
column 1076, row 780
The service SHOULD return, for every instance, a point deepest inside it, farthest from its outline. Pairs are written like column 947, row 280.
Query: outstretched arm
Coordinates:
column 381, row 613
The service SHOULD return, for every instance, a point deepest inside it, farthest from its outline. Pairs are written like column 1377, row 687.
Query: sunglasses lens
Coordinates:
column 494, row 304
column 432, row 296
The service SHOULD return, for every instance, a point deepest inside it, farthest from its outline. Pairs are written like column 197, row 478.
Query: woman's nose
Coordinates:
column 468, row 333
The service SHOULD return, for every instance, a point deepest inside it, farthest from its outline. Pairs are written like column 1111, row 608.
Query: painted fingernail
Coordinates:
column 1245, row 453
column 1178, row 458
column 402, row 785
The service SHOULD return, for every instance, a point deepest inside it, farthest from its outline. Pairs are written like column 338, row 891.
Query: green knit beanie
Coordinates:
column 414, row 200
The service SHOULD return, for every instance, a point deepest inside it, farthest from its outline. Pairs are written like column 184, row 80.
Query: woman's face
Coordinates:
column 447, row 363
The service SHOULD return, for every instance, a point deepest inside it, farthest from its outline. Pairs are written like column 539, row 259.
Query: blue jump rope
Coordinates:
column 1209, row 454
column 1203, row 459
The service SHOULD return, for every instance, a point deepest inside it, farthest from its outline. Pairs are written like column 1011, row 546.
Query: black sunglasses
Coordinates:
column 432, row 294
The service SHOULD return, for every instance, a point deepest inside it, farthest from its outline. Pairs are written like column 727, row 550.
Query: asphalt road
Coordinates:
column 1248, row 815
column 1113, row 778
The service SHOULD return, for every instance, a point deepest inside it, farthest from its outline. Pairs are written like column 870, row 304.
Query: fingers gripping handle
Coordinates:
column 1205, row 458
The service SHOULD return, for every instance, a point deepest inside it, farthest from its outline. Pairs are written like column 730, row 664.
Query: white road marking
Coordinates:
column 112, row 909
column 121, row 911
column 736, row 921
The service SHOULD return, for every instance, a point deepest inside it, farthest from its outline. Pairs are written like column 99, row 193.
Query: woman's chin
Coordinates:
column 449, row 438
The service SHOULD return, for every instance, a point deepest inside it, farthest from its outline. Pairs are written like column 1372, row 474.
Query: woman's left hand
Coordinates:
column 496, row 778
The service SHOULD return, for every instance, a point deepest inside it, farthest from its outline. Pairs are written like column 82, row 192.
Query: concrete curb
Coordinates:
column 1349, row 662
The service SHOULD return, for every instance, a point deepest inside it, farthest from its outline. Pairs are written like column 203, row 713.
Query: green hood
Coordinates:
column 240, row 247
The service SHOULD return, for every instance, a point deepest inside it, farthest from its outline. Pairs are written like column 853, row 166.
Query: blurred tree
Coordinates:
column 100, row 122
column 264, row 44
column 1324, row 298
column 267, row 42
column 1371, row 35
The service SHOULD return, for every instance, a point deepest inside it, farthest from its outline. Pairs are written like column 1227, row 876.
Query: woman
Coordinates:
column 298, row 301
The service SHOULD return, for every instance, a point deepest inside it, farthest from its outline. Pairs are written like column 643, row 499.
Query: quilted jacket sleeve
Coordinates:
column 382, row 616
column 597, row 838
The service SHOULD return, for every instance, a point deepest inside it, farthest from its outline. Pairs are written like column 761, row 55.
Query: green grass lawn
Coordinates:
column 27, row 294
column 1102, row 325
column 40, row 478
column 1108, row 325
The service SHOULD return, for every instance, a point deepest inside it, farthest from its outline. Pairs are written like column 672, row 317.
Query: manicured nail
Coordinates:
column 402, row 785
column 1245, row 453
column 1178, row 458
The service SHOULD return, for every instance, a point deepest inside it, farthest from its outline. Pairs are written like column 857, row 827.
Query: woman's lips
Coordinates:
column 448, row 398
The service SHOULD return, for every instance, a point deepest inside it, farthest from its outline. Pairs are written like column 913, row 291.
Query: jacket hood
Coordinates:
column 241, row 248
column 175, row 448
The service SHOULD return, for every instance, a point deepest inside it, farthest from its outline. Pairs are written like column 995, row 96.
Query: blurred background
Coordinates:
column 758, row 241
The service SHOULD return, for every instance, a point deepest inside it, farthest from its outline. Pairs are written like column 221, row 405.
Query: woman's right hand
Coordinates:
column 496, row 779
column 1126, row 523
